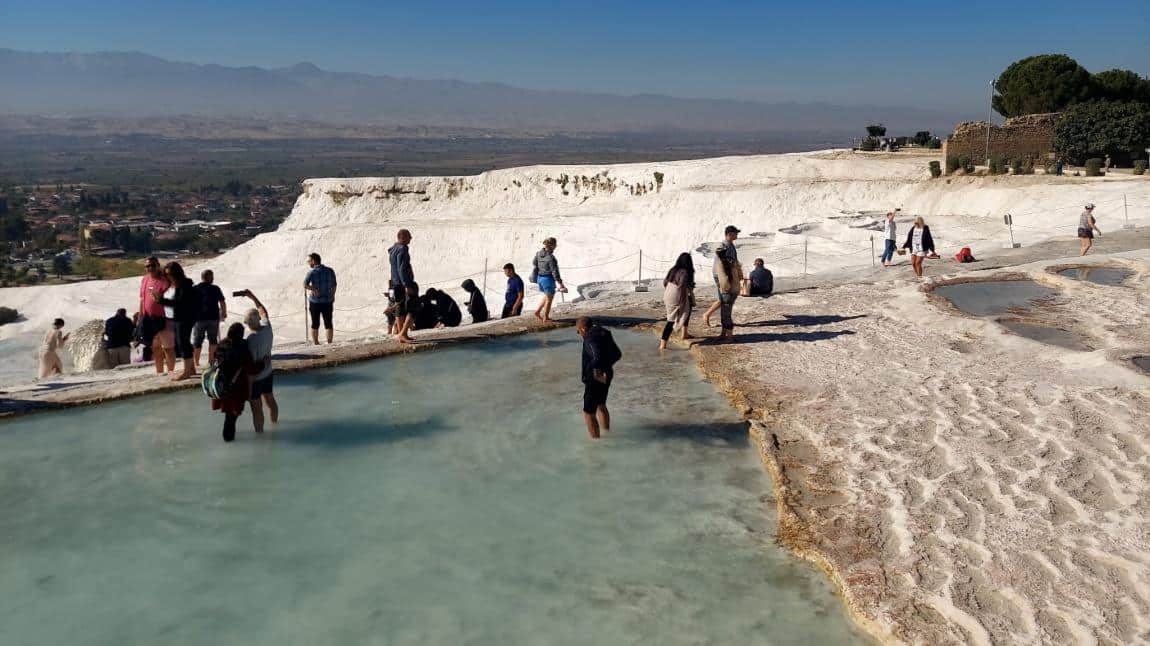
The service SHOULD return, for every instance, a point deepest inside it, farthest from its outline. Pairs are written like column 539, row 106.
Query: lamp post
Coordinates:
column 989, row 119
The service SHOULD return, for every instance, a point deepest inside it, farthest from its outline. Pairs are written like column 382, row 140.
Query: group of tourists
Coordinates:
column 919, row 242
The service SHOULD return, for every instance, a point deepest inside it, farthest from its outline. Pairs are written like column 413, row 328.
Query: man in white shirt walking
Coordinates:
column 890, row 235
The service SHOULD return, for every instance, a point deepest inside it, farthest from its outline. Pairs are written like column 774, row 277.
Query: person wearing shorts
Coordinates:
column 545, row 269
column 153, row 337
column 1087, row 225
column 920, row 243
column 320, row 285
column 213, row 310
column 405, row 291
column 259, row 342
column 599, row 356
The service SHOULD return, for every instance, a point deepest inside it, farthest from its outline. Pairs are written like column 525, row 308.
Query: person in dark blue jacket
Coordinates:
column 600, row 354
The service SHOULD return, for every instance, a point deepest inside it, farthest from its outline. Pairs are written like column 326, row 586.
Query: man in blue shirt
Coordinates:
column 513, row 300
column 320, row 287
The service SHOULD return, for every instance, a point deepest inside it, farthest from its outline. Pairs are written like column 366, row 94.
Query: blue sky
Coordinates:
column 926, row 54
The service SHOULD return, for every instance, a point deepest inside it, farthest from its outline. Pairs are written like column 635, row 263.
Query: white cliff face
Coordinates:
column 603, row 215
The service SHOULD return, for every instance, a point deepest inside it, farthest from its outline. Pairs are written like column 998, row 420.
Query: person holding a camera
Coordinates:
column 260, row 346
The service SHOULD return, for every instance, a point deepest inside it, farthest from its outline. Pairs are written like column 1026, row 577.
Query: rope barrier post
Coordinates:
column 306, row 338
column 1126, row 212
column 1009, row 222
column 872, row 263
column 485, row 275
column 639, row 286
column 804, row 255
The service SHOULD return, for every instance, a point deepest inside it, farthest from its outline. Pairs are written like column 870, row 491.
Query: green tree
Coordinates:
column 922, row 137
column 1046, row 83
column 1103, row 128
column 1122, row 85
column 876, row 130
column 61, row 266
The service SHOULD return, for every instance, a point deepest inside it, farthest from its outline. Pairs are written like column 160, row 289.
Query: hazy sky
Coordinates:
column 927, row 54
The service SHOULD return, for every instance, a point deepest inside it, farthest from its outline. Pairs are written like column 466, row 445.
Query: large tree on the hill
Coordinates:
column 1122, row 85
column 1046, row 83
column 1100, row 128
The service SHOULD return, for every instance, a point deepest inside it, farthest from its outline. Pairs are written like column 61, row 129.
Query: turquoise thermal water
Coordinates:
column 1109, row 276
column 985, row 298
column 447, row 497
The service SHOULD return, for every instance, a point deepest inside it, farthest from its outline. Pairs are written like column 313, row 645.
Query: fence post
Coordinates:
column 485, row 278
column 1126, row 212
column 804, row 255
column 306, row 328
column 872, row 263
column 640, row 265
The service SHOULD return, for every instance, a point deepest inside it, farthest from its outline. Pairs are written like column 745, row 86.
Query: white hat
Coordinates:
column 1090, row 205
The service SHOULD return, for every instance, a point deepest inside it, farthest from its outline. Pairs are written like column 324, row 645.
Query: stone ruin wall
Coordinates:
column 1030, row 135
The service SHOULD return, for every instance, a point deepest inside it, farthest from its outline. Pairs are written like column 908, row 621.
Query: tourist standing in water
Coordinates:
column 320, row 286
column 1087, row 225
column 920, row 243
column 182, row 304
column 890, row 238
column 118, row 332
column 600, row 354
column 476, row 304
column 727, row 246
column 259, row 342
column 513, row 299
column 54, row 339
column 678, row 297
column 405, row 291
column 545, row 270
column 153, row 337
column 228, row 383
column 213, row 309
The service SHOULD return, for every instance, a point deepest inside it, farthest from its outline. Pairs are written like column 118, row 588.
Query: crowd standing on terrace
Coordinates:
column 175, row 317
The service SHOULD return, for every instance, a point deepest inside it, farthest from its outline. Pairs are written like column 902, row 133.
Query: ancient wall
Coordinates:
column 1030, row 136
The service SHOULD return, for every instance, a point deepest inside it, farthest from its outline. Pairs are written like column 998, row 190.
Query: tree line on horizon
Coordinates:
column 1102, row 114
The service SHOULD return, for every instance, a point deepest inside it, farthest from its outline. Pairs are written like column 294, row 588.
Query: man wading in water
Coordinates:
column 599, row 357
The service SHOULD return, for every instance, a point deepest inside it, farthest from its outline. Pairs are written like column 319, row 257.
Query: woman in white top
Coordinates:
column 54, row 339
column 920, row 243
column 1087, row 225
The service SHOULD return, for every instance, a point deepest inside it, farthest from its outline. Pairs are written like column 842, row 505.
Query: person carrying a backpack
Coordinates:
column 600, row 354
column 227, row 381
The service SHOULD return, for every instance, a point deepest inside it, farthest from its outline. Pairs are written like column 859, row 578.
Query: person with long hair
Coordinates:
column 678, row 295
column 155, row 339
column 1087, row 225
column 234, row 367
column 920, row 243
column 50, row 363
column 545, row 270
column 182, row 303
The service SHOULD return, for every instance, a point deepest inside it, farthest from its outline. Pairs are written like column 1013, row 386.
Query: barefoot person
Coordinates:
column 1087, row 225
column 730, row 234
column 182, row 304
column 320, row 287
column 213, row 309
column 118, row 332
column 260, row 345
column 920, row 243
column 54, row 339
column 600, row 354
column 228, row 380
column 513, row 299
column 405, row 291
column 890, row 238
column 545, row 269
column 476, row 304
column 156, row 341
column 678, row 295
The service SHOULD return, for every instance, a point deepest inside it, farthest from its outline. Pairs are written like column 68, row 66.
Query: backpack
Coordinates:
column 964, row 255
column 221, row 376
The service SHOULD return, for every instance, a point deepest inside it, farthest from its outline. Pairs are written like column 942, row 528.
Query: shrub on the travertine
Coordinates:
column 935, row 169
column 996, row 166
column 1094, row 167
column 1140, row 167
column 952, row 165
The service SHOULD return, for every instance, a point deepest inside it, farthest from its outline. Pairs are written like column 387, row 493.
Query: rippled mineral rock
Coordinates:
column 86, row 345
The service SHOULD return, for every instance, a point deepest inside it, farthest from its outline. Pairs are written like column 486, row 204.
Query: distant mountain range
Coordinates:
column 134, row 85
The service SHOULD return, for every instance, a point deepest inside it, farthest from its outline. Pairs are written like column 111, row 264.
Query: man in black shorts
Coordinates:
column 320, row 286
column 405, row 290
column 599, row 357
column 213, row 310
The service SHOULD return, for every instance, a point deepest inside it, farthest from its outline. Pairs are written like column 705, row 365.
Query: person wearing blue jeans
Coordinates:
column 890, row 233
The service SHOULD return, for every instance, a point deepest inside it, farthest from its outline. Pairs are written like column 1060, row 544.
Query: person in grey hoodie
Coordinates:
column 545, row 272
column 405, row 291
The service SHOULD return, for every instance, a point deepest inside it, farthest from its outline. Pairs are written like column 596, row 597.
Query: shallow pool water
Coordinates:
column 992, row 297
column 1046, row 334
column 447, row 497
column 1109, row 276
column 1142, row 363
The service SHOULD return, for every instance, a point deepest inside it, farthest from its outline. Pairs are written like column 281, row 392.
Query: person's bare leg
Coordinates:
column 188, row 372
column 604, row 418
column 158, row 356
column 329, row 333
column 539, row 310
column 273, row 407
column 196, row 355
column 547, row 307
column 212, row 347
column 710, row 312
column 592, row 425
column 170, row 359
column 405, row 329
column 257, row 415
column 315, row 336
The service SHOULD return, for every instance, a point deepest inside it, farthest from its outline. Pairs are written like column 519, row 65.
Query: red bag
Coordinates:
column 964, row 255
